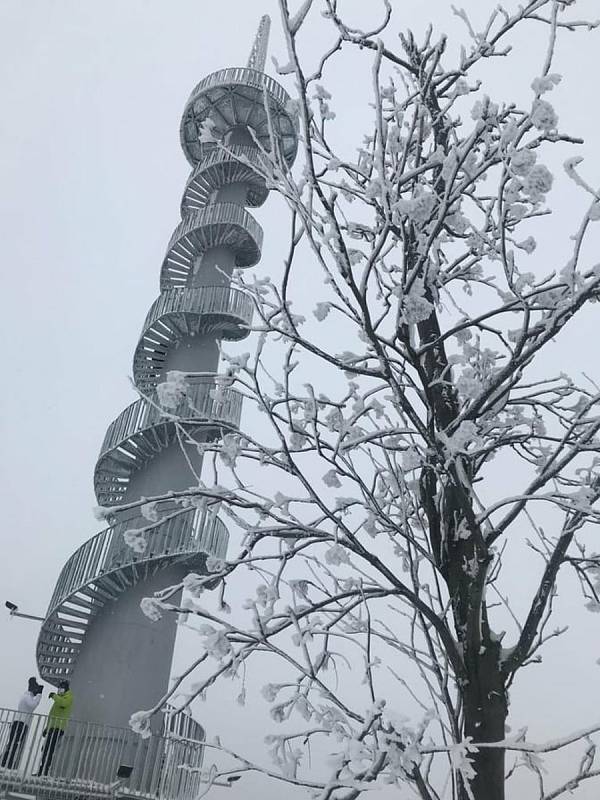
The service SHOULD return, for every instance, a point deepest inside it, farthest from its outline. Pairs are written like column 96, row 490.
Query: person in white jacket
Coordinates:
column 20, row 724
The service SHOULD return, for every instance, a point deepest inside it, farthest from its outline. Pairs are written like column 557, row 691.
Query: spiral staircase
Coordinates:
column 94, row 634
column 233, row 121
column 104, row 567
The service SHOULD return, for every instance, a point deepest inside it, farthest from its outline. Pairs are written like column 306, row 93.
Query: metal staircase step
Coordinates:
column 105, row 592
column 86, row 602
column 56, row 623
column 121, row 578
column 73, row 612
column 118, row 465
column 52, row 666
column 144, row 445
column 98, row 594
column 68, row 628
column 161, row 334
column 53, row 652
column 56, row 628
column 109, row 585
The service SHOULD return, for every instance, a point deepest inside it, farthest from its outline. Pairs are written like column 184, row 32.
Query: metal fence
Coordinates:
column 85, row 759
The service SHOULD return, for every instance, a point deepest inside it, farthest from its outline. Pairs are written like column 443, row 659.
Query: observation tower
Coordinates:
column 94, row 633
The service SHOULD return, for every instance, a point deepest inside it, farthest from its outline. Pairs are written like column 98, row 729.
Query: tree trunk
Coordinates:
column 484, row 711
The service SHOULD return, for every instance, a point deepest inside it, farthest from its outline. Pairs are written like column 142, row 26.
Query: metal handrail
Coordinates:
column 190, row 532
column 83, row 760
column 198, row 404
column 205, row 300
column 237, row 75
column 232, row 152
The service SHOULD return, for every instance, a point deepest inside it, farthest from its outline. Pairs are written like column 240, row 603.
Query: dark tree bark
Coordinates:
column 484, row 712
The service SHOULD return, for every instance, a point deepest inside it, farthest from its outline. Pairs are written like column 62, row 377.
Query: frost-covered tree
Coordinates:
column 410, row 446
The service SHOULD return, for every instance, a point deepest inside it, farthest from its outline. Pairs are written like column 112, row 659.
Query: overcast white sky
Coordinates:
column 91, row 175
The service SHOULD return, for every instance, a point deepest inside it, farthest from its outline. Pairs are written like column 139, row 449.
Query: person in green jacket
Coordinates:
column 62, row 701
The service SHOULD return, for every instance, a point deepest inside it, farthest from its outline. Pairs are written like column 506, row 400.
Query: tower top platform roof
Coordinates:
column 237, row 98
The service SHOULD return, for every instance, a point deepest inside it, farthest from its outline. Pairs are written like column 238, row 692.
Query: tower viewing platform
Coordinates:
column 94, row 634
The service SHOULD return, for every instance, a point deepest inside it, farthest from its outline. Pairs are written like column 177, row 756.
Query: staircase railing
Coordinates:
column 191, row 531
